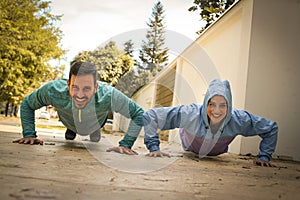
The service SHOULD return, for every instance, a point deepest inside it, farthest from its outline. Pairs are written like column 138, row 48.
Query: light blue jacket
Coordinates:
column 195, row 131
column 84, row 121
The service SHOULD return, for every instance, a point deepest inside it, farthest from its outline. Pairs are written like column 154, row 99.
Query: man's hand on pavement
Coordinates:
column 29, row 140
column 122, row 150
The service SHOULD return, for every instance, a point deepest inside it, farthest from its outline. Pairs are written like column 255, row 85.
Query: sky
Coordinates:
column 87, row 24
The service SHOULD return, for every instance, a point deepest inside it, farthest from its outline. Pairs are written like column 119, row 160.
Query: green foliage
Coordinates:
column 211, row 10
column 29, row 39
column 127, row 83
column 111, row 62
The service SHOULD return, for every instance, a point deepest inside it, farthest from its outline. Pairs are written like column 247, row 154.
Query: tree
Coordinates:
column 153, row 53
column 211, row 10
column 133, row 80
column 127, row 83
column 111, row 62
column 29, row 40
column 129, row 48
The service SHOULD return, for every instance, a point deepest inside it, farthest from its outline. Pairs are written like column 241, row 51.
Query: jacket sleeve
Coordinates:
column 265, row 128
column 163, row 118
column 32, row 102
column 129, row 109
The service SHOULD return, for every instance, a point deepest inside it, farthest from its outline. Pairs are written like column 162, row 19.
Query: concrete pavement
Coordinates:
column 80, row 169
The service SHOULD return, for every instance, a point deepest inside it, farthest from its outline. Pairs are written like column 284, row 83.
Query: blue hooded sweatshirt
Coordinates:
column 196, row 133
column 86, row 120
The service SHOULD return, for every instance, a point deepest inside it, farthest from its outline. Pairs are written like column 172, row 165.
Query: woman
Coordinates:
column 208, row 129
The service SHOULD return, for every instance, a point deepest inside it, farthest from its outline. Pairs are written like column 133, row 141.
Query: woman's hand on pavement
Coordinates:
column 157, row 154
column 263, row 163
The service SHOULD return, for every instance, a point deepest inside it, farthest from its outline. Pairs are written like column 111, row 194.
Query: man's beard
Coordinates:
column 80, row 103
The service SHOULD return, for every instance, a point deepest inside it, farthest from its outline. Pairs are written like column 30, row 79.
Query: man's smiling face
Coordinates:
column 81, row 89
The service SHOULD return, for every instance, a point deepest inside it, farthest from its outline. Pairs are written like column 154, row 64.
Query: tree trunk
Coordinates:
column 15, row 111
column 6, row 109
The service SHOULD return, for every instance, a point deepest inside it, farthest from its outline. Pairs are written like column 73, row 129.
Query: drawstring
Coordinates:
column 79, row 115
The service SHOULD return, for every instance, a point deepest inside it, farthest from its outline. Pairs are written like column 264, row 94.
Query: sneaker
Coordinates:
column 95, row 136
column 70, row 135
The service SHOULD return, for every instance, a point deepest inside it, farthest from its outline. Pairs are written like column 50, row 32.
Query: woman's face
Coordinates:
column 217, row 109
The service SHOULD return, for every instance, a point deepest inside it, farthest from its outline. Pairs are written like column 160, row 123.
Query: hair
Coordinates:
column 79, row 68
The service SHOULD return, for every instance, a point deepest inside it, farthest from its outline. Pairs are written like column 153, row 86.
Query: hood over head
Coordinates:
column 217, row 87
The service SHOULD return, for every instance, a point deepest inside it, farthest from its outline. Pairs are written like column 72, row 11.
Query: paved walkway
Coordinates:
column 83, row 170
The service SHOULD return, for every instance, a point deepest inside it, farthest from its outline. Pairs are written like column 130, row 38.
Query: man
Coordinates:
column 208, row 129
column 82, row 104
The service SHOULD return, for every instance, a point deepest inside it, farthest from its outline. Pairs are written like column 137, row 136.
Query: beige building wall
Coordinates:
column 145, row 96
column 274, row 71
column 189, row 87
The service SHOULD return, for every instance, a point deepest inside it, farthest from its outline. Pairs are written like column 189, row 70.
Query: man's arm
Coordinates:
column 32, row 102
column 129, row 109
column 27, row 119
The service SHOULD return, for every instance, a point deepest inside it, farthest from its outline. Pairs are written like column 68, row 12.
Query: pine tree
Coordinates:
column 153, row 53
